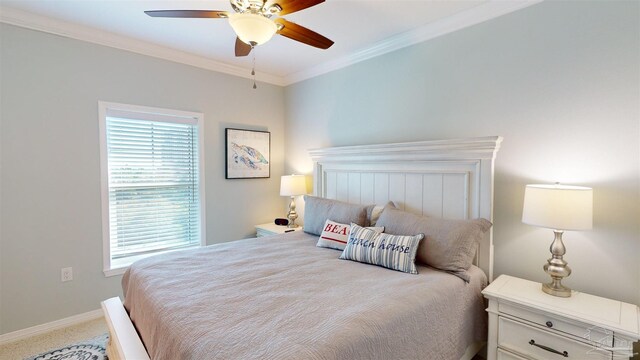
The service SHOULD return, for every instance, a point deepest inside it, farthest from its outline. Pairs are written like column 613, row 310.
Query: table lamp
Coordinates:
column 293, row 185
column 558, row 207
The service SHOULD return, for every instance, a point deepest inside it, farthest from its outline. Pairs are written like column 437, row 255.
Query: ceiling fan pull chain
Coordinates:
column 253, row 71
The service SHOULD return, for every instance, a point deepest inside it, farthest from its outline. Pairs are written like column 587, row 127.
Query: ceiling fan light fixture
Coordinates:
column 252, row 29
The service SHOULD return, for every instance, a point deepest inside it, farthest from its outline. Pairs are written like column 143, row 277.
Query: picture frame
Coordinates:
column 247, row 154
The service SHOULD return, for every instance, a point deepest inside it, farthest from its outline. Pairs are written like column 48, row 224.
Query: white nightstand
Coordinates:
column 525, row 323
column 273, row 229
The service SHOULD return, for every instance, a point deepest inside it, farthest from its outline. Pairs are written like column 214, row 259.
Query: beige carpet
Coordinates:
column 52, row 340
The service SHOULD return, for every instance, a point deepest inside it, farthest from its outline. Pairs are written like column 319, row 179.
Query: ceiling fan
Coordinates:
column 253, row 22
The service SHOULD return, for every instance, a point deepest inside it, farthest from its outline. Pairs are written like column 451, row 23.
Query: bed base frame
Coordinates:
column 124, row 342
column 444, row 178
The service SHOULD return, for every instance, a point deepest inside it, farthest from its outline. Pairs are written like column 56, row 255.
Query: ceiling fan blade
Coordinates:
column 214, row 14
column 291, row 6
column 242, row 48
column 302, row 34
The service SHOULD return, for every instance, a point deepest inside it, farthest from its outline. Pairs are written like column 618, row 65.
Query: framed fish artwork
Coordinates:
column 247, row 154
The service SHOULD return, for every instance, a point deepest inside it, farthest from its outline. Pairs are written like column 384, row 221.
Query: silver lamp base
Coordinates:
column 557, row 268
column 292, row 215
column 556, row 289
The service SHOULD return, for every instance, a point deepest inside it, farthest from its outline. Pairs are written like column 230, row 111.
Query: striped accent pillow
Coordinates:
column 391, row 251
column 335, row 235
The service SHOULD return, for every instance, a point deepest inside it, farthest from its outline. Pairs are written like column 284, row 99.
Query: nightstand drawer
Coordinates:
column 505, row 355
column 594, row 334
column 535, row 343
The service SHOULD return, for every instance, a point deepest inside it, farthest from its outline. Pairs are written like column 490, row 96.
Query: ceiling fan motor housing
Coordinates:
column 255, row 7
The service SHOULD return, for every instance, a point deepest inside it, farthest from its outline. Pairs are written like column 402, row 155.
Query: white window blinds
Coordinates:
column 153, row 170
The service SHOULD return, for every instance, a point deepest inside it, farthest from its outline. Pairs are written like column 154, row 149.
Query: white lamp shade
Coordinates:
column 558, row 207
column 252, row 28
column 293, row 185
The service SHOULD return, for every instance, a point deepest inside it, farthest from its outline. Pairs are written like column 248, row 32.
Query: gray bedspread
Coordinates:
column 281, row 297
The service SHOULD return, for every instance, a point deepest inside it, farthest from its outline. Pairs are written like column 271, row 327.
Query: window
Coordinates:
column 152, row 182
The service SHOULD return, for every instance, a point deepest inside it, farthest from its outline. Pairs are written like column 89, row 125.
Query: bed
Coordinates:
column 282, row 297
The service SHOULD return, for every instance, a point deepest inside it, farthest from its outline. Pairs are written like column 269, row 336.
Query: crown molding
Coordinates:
column 466, row 148
column 461, row 20
column 79, row 32
column 473, row 16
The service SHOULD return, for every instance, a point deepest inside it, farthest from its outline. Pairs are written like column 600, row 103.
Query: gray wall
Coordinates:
column 559, row 80
column 50, row 180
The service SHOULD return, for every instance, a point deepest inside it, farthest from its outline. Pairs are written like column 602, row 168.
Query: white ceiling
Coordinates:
column 358, row 28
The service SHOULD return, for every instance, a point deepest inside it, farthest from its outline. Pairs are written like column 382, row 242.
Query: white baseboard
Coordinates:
column 54, row 325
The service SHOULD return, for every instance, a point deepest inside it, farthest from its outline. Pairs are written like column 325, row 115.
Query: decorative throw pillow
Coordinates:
column 335, row 235
column 391, row 251
column 318, row 210
column 449, row 245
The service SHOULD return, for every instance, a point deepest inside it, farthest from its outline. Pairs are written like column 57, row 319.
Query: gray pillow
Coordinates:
column 448, row 245
column 318, row 210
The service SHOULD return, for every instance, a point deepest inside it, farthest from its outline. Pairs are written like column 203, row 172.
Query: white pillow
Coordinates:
column 374, row 212
column 335, row 235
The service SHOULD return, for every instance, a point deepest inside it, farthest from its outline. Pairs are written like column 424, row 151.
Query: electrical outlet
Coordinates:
column 66, row 274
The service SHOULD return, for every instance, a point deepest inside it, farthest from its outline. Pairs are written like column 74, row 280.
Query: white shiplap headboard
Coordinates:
column 450, row 179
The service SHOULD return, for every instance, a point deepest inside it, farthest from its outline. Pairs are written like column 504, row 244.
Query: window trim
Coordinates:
column 153, row 114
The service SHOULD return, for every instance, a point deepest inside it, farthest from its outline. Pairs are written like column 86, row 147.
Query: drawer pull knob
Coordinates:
column 564, row 353
column 549, row 324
